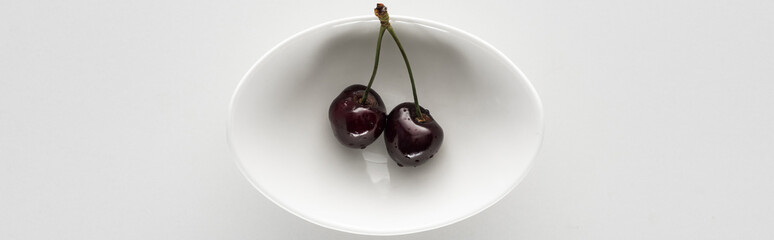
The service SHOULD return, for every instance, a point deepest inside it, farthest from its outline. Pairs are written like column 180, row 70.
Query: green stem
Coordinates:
column 376, row 64
column 411, row 75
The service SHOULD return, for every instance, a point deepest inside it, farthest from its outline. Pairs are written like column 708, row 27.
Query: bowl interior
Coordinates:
column 279, row 130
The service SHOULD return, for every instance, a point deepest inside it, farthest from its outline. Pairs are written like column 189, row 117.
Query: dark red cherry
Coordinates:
column 411, row 140
column 354, row 124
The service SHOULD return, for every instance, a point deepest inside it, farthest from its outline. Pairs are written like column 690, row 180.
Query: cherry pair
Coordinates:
column 358, row 115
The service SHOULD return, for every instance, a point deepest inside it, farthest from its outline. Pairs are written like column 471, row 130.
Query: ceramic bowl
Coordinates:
column 279, row 130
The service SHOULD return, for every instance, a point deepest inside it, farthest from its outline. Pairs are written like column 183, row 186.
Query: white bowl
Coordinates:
column 278, row 127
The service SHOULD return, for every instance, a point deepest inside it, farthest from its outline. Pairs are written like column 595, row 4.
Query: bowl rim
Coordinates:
column 415, row 20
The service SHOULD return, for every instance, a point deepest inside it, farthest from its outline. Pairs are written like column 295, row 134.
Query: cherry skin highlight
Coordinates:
column 411, row 140
column 357, row 124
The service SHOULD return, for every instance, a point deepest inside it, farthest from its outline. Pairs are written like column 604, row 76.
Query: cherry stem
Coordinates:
column 376, row 65
column 411, row 75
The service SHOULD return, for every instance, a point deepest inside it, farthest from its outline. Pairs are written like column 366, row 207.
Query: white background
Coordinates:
column 659, row 117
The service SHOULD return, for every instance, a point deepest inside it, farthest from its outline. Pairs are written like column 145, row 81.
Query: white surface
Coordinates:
column 658, row 118
column 279, row 130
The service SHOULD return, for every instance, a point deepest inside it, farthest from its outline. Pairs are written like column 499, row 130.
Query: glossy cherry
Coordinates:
column 411, row 139
column 412, row 135
column 357, row 123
